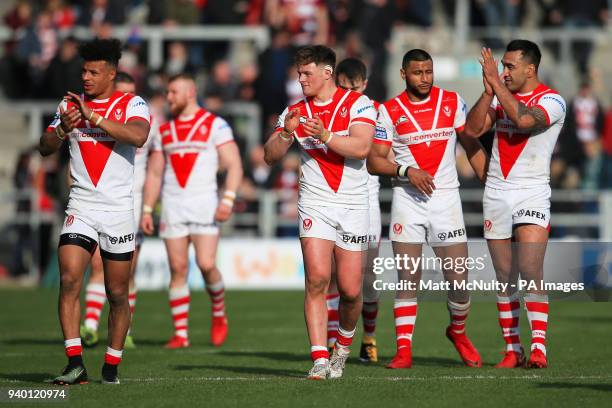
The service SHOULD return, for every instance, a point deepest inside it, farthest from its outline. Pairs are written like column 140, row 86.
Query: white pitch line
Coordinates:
column 393, row 379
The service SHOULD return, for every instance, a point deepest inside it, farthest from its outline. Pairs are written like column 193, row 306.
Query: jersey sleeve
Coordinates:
column 363, row 112
column 384, row 127
column 137, row 109
column 221, row 132
column 56, row 119
column 280, row 123
column 553, row 106
column 460, row 114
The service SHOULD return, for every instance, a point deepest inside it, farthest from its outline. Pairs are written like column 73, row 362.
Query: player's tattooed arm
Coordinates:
column 534, row 114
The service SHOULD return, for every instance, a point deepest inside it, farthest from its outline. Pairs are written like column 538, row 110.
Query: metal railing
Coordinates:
column 155, row 36
column 265, row 221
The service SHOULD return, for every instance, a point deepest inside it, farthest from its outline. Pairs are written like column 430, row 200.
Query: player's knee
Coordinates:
column 178, row 266
column 117, row 296
column 206, row 265
column 70, row 283
column 316, row 284
column 352, row 295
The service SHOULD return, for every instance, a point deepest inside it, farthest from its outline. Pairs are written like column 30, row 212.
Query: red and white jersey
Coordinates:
column 521, row 159
column 190, row 149
column 328, row 179
column 102, row 169
column 424, row 134
column 373, row 182
column 142, row 155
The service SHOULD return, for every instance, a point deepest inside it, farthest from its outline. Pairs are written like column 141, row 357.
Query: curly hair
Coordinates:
column 101, row 50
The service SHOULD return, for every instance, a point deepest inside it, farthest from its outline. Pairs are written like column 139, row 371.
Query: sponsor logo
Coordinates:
column 354, row 239
column 446, row 111
column 381, row 133
column 531, row 213
column 343, row 112
column 121, row 239
column 323, row 113
column 203, row 130
column 488, row 224
column 363, row 109
column 443, row 236
column 69, row 220
column 72, row 236
column 423, row 110
column 556, row 99
column 139, row 103
column 307, row 224
column 118, row 113
column 397, row 228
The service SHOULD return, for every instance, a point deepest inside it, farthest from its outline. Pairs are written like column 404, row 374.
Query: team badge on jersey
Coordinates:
column 447, row 111
column 343, row 112
column 307, row 224
column 69, row 220
column 118, row 113
column 397, row 228
column 488, row 224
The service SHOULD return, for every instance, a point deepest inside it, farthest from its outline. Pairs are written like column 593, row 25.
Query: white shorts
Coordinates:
column 194, row 217
column 346, row 227
column 503, row 209
column 375, row 227
column 137, row 216
column 114, row 231
column 418, row 219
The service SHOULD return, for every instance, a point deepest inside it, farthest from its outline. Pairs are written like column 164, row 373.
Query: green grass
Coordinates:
column 266, row 357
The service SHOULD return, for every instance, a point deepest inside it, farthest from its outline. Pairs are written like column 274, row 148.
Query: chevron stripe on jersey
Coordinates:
column 98, row 163
column 521, row 158
column 190, row 148
column 327, row 178
column 424, row 134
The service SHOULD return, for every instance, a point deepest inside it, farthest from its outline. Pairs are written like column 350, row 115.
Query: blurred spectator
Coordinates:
column 221, row 82
column 605, row 179
column 273, row 65
column 182, row 12
column 579, row 14
column 497, row 14
column 36, row 49
column 579, row 138
column 94, row 13
column 231, row 12
column 416, row 12
column 307, row 21
column 31, row 180
column 64, row 16
column 177, row 61
column 64, row 71
column 20, row 16
column 380, row 14
column 246, row 85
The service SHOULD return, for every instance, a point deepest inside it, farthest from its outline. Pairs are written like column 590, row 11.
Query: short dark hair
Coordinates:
column 101, row 50
column 319, row 54
column 529, row 51
column 124, row 78
column 416, row 54
column 183, row 75
column 353, row 69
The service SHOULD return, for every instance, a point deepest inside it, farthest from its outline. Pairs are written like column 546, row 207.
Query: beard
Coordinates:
column 417, row 91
